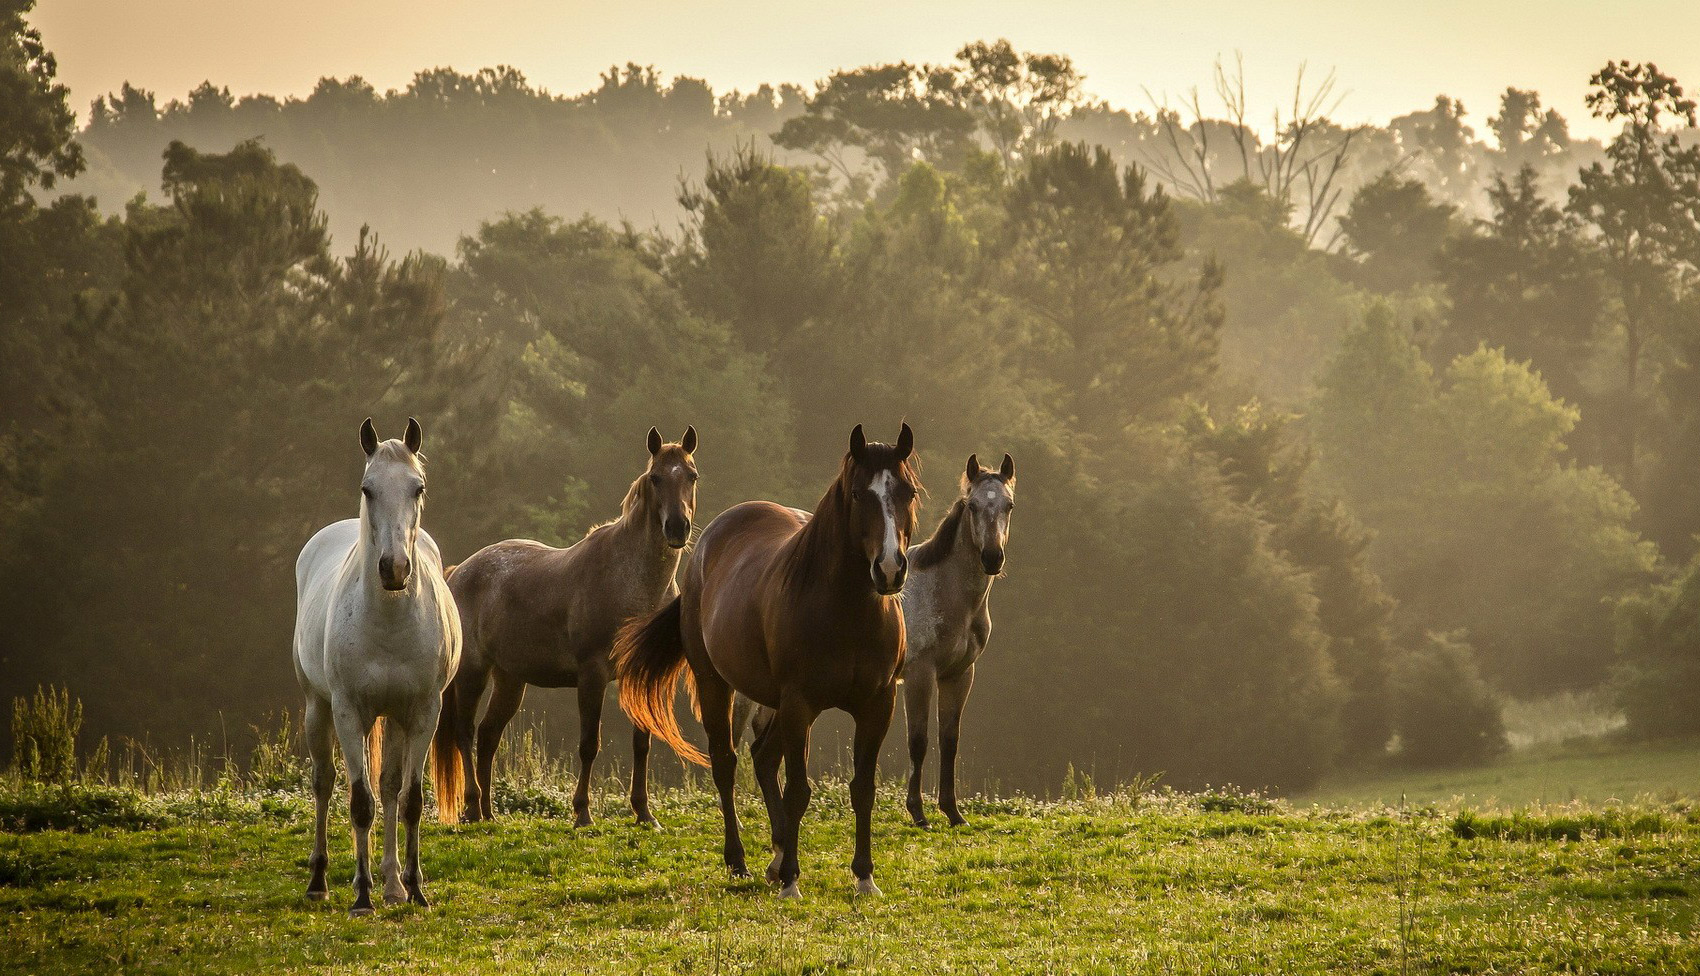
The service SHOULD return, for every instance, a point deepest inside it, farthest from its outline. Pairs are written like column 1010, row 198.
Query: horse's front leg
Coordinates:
column 351, row 731
column 918, row 688
column 413, row 801
column 591, row 691
column 794, row 722
column 395, row 759
column 873, row 719
column 953, row 697
column 318, row 733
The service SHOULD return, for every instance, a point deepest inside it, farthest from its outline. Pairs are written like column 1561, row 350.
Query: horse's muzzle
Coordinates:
column 891, row 584
column 991, row 560
column 677, row 532
column 393, row 572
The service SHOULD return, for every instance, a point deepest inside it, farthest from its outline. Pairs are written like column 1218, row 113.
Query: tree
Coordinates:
column 1265, row 464
column 1644, row 214
column 757, row 254
column 36, row 128
column 1299, row 170
column 1480, row 523
column 1658, row 644
column 1117, row 337
column 1017, row 98
column 1396, row 231
column 1446, row 714
column 214, row 397
column 891, row 114
column 1525, row 281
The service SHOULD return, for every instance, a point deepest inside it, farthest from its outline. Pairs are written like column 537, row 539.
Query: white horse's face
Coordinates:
column 990, row 499
column 392, row 500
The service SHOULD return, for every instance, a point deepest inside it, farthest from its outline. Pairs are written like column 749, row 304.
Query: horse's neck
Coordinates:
column 822, row 550
column 635, row 538
column 961, row 570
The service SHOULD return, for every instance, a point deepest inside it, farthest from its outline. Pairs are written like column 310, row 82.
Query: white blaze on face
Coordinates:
column 882, row 486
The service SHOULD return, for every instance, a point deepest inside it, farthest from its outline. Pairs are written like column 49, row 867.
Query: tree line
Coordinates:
column 1281, row 506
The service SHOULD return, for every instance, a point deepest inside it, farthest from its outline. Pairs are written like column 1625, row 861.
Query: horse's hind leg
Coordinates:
column 505, row 699
column 469, row 690
column 953, row 696
column 872, row 721
column 389, row 794
column 714, row 695
column 640, row 776
column 918, row 688
column 591, row 691
column 766, row 751
column 318, row 732
column 351, row 731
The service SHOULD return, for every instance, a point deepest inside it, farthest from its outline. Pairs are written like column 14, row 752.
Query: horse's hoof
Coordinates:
column 956, row 820
column 581, row 820
column 866, row 886
column 773, row 869
column 646, row 819
column 417, row 897
column 920, row 821
column 317, row 895
column 360, row 911
column 791, row 892
column 395, row 898
column 739, row 871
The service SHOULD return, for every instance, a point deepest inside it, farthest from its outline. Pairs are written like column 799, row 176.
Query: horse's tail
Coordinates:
column 649, row 654
column 375, row 755
column 446, row 766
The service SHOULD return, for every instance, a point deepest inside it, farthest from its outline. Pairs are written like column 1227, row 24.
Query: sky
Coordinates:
column 1391, row 56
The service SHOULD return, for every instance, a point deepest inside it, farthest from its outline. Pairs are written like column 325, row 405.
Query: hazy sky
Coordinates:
column 1393, row 56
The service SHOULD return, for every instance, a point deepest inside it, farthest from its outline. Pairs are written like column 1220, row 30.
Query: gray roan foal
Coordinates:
column 537, row 615
column 947, row 612
column 376, row 641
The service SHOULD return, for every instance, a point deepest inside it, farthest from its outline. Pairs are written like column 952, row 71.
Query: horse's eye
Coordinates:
column 419, row 492
column 655, row 480
column 366, row 491
column 692, row 477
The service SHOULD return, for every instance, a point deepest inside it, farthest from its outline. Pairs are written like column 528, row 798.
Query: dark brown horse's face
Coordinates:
column 671, row 485
column 990, row 498
column 883, row 499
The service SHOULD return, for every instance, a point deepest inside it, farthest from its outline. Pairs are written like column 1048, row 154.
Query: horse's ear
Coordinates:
column 858, row 445
column 689, row 441
column 369, row 437
column 905, row 443
column 654, row 441
column 413, row 437
column 973, row 467
column 1007, row 472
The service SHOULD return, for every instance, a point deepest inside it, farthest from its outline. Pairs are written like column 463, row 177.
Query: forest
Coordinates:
column 1332, row 440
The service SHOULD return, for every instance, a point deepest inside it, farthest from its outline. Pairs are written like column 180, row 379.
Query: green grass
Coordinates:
column 212, row 883
column 1598, row 773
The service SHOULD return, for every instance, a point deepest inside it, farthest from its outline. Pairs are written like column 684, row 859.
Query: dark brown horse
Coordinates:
column 535, row 615
column 799, row 613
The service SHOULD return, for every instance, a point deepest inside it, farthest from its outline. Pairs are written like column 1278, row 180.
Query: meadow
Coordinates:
column 97, row 878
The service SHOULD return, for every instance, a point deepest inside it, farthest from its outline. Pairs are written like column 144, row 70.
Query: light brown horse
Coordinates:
column 535, row 615
column 797, row 612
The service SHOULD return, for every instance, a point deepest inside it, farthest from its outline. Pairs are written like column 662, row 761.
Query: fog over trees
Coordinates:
column 1329, row 438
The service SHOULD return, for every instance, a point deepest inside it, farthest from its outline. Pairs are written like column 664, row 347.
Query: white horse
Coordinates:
column 377, row 638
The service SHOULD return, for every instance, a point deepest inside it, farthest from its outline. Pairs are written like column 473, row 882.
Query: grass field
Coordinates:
column 212, row 882
column 1595, row 773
